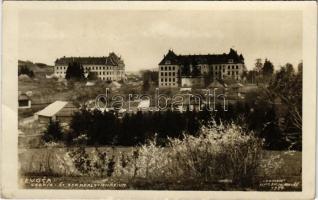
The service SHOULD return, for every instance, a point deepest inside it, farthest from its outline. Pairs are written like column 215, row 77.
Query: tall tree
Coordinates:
column 268, row 68
column 258, row 65
column 300, row 68
column 195, row 69
column 185, row 69
column 145, row 85
column 287, row 86
column 289, row 68
column 75, row 71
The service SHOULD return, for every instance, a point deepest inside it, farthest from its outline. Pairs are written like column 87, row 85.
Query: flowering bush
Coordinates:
column 219, row 151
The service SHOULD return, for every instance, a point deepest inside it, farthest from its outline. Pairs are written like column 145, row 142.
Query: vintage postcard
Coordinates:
column 164, row 100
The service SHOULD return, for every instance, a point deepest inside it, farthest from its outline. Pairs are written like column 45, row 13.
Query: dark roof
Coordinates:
column 202, row 59
column 23, row 97
column 112, row 60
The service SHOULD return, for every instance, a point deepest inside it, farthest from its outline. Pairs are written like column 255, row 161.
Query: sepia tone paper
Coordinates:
column 142, row 46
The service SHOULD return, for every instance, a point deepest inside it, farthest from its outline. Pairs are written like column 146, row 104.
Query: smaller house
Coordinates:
column 216, row 84
column 24, row 101
column 59, row 110
column 219, row 87
column 114, row 85
column 88, row 83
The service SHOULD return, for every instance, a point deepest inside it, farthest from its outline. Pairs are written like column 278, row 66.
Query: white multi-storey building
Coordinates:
column 174, row 70
column 110, row 68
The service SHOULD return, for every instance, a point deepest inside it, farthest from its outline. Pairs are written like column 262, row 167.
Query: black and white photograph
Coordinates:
column 163, row 99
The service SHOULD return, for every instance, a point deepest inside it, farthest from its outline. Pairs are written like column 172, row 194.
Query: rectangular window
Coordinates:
column 162, row 80
column 228, row 73
column 236, row 66
column 169, row 79
column 173, row 79
column 173, row 73
column 228, row 67
column 161, row 73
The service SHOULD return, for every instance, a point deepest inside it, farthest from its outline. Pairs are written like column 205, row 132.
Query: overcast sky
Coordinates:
column 143, row 37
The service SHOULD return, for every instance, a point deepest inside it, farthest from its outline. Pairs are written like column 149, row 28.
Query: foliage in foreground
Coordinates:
column 218, row 152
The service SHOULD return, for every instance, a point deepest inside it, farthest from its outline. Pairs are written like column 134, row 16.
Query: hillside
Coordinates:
column 37, row 68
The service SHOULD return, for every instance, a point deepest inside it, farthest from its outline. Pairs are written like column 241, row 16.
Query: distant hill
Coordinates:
column 37, row 68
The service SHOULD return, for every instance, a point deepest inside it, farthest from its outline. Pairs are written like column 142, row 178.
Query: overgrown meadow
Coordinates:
column 220, row 157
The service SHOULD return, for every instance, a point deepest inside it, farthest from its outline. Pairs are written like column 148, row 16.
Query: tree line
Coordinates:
column 104, row 128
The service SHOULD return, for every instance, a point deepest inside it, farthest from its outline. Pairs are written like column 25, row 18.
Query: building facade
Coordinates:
column 175, row 70
column 110, row 68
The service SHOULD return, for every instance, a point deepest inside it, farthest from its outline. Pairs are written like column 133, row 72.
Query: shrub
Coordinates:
column 81, row 160
column 218, row 152
column 53, row 133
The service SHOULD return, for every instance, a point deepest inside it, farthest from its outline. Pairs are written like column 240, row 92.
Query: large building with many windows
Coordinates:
column 111, row 68
column 186, row 70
